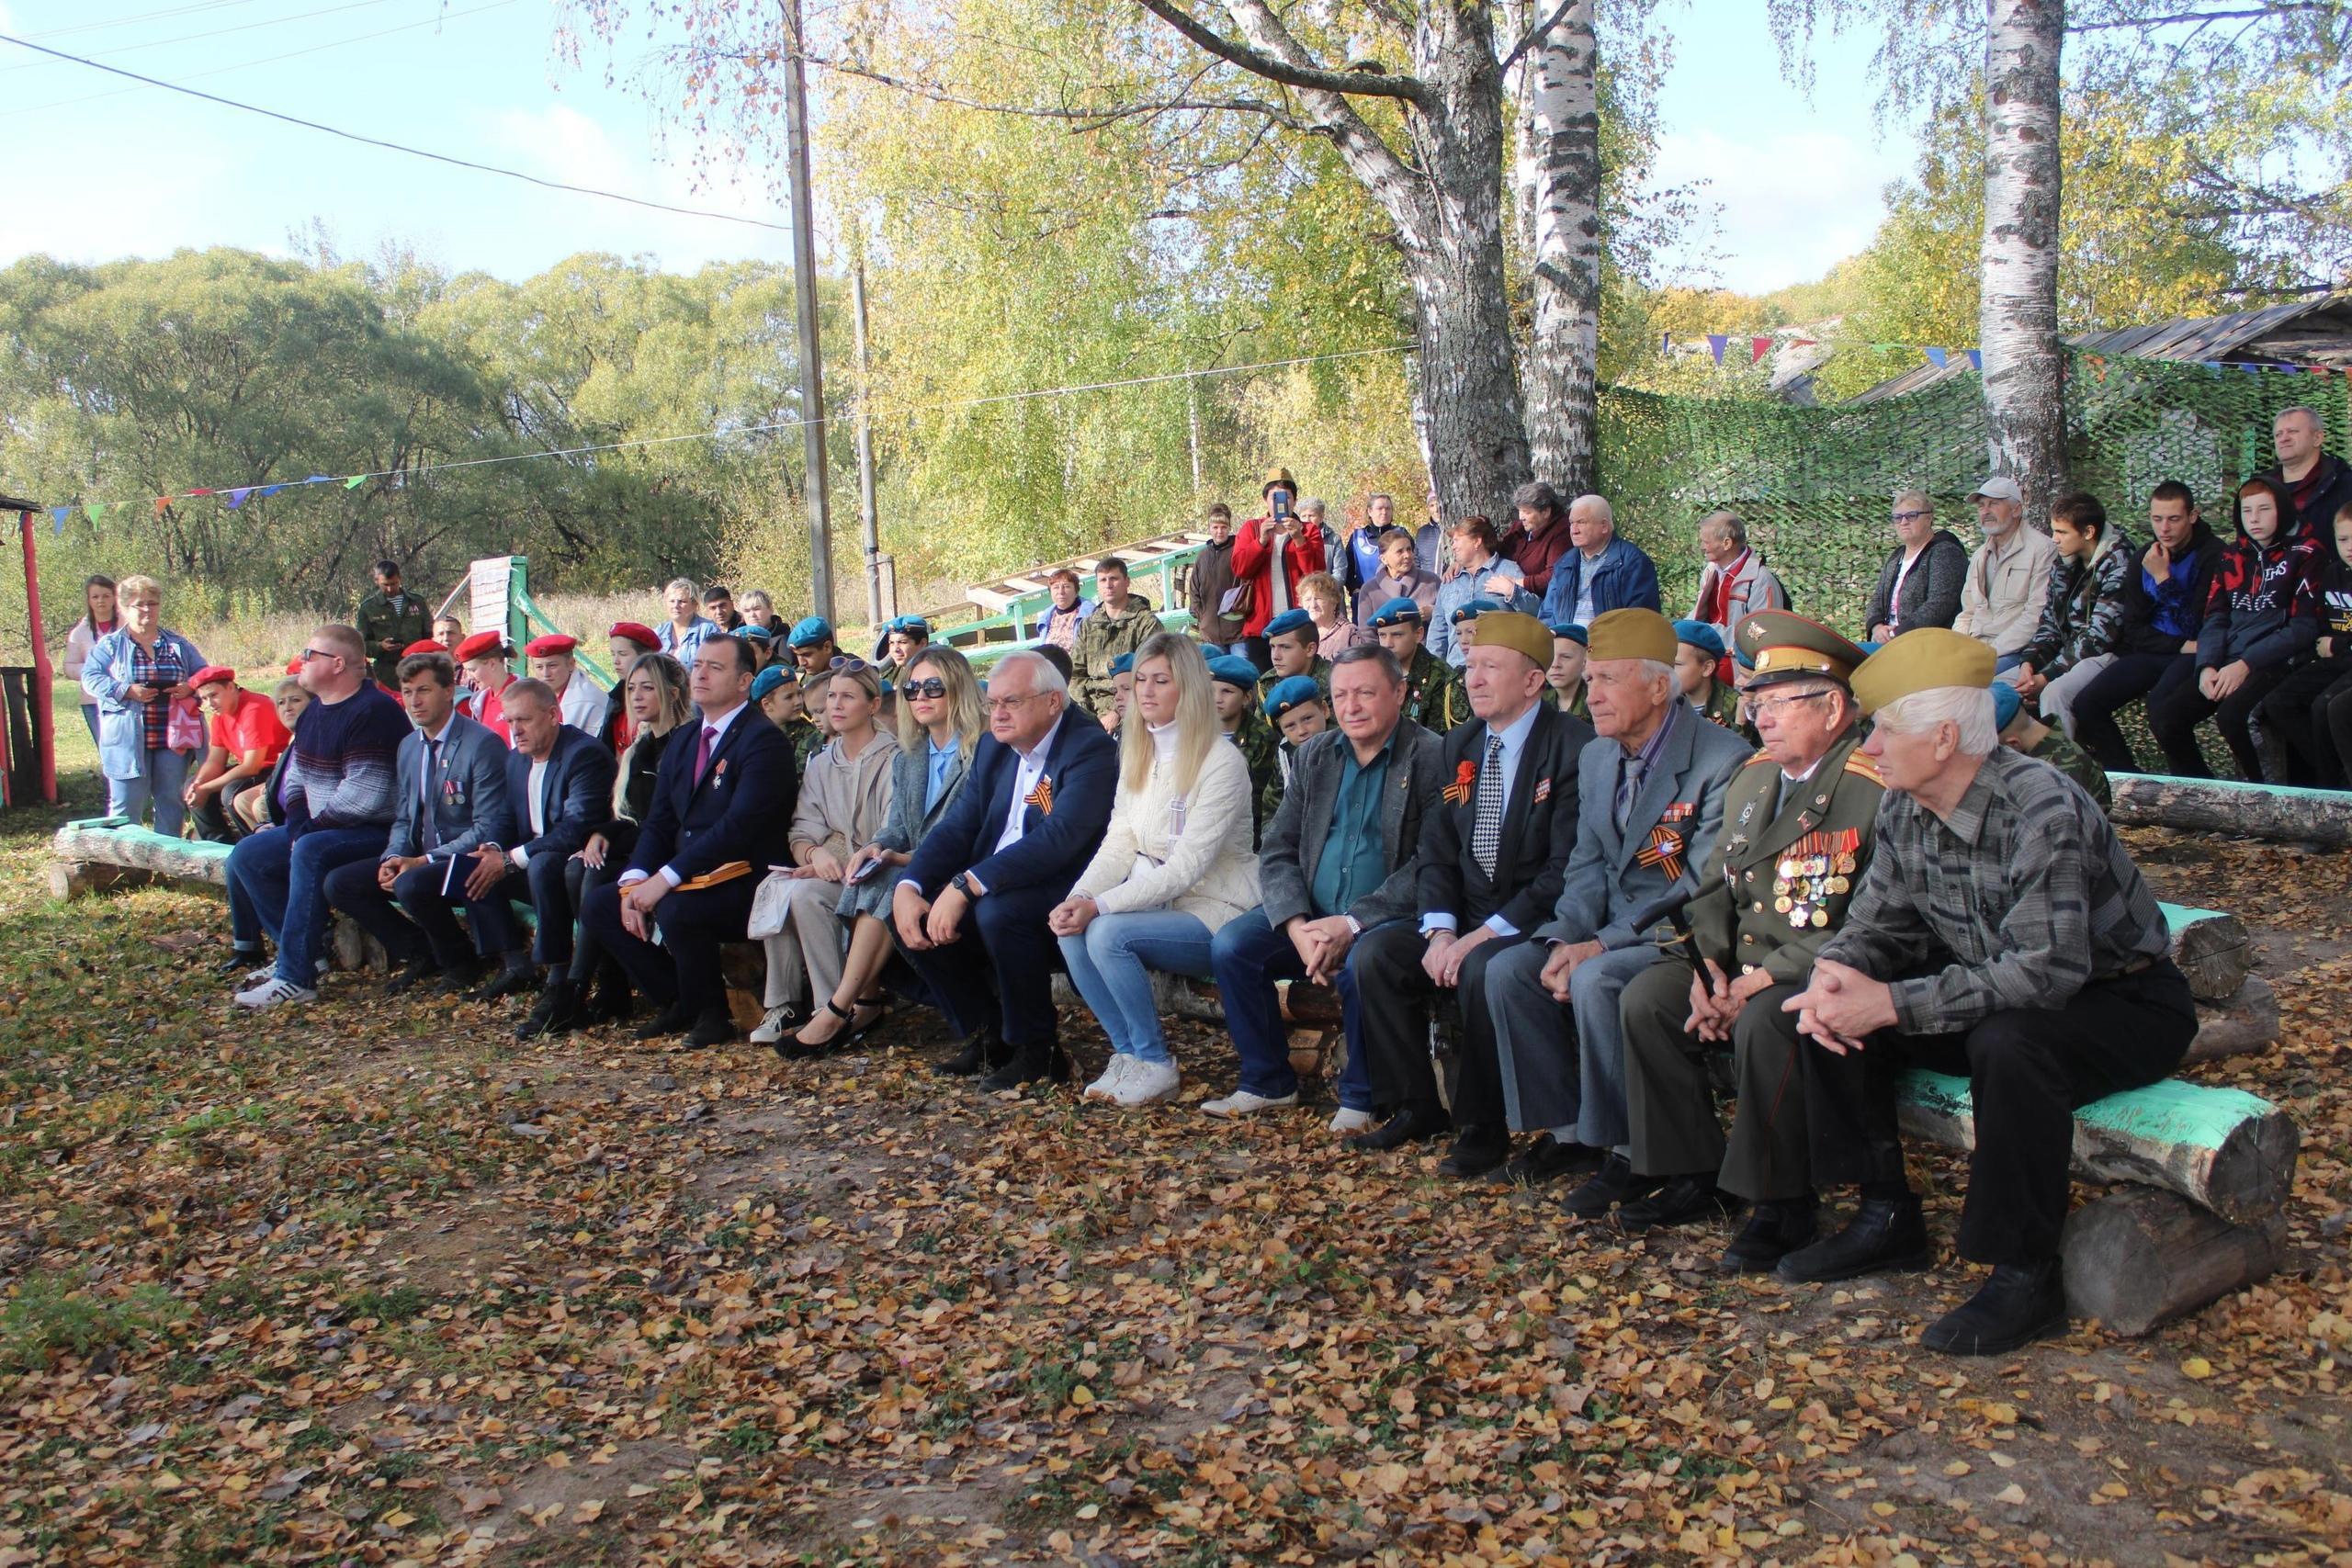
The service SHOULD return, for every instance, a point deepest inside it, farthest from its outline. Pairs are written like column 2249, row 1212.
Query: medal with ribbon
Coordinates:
column 1465, row 782
column 1664, row 851
column 1042, row 797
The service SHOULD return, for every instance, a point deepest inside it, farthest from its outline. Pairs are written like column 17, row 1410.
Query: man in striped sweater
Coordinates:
column 338, row 793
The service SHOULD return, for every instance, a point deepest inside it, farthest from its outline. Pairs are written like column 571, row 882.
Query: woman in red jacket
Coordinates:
column 1254, row 547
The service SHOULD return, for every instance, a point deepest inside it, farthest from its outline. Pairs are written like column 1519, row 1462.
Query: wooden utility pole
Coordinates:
column 804, row 294
column 868, row 524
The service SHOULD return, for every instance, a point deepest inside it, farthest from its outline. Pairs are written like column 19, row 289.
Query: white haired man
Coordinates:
column 2002, row 932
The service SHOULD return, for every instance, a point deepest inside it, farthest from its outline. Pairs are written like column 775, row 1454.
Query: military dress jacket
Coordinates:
column 1784, row 869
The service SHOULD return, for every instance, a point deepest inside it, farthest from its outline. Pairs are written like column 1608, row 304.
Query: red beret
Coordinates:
column 427, row 646
column 294, row 665
column 637, row 632
column 212, row 672
column 547, row 646
column 481, row 645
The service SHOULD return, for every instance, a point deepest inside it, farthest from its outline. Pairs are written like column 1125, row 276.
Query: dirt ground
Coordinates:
column 370, row 1283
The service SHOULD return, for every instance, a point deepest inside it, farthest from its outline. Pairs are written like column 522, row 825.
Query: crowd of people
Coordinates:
column 1550, row 848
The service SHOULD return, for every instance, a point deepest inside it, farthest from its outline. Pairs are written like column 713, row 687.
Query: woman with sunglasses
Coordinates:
column 844, row 800
column 940, row 721
column 1175, row 864
column 138, row 674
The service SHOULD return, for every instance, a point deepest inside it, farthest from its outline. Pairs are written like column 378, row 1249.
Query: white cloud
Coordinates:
column 1789, row 203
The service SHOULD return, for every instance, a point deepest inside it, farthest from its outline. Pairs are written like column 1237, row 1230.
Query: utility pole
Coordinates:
column 804, row 294
column 868, row 524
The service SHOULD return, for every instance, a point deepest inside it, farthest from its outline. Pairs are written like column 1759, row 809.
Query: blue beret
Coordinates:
column 910, row 624
column 1122, row 665
column 1290, row 691
column 1700, row 636
column 751, row 633
column 1397, row 612
column 2006, row 704
column 810, row 631
column 1477, row 607
column 1870, row 648
column 1289, row 621
column 1234, row 671
column 768, row 679
column 1573, row 632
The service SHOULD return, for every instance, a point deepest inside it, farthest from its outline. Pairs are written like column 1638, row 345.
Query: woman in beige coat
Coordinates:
column 844, row 800
column 1175, row 864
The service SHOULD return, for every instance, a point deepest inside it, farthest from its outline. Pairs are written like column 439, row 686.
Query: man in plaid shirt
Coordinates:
column 2001, row 933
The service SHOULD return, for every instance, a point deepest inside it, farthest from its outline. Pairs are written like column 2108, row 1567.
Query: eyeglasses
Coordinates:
column 1006, row 704
column 311, row 653
column 1911, row 516
column 935, row 687
column 1775, row 707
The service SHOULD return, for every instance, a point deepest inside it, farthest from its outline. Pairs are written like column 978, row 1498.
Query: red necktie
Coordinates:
column 702, row 753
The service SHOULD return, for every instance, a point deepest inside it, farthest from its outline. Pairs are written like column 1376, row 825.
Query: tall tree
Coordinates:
column 2017, row 332
column 1559, row 134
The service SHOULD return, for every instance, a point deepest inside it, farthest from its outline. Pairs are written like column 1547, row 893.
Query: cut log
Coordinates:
column 2212, row 948
column 2246, row 1025
column 2141, row 1257
column 111, row 840
column 2240, row 810
column 2230, row 1151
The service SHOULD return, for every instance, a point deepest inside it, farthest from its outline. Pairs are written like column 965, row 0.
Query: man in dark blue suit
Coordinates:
column 559, row 785
column 970, row 914
column 722, row 807
column 451, row 799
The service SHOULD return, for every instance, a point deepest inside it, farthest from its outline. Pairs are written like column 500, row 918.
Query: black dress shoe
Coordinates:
column 239, row 961
column 713, row 1026
column 1612, row 1184
column 1545, row 1159
column 1886, row 1234
column 675, row 1019
column 1410, row 1125
column 512, row 981
column 1476, row 1150
column 2020, row 1303
column 1772, row 1232
column 610, row 1001
column 557, row 1013
column 1028, row 1064
column 980, row 1052
column 411, row 974
column 456, row 979
column 1680, row 1200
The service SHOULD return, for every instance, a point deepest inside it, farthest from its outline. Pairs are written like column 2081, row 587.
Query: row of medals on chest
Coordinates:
column 1805, row 882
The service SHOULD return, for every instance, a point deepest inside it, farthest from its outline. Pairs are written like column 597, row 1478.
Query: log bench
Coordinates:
column 2273, row 812
column 2205, row 1174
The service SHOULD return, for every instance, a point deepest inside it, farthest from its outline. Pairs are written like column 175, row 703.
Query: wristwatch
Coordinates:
column 962, row 882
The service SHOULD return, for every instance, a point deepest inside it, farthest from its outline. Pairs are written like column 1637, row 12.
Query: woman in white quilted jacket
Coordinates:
column 1175, row 864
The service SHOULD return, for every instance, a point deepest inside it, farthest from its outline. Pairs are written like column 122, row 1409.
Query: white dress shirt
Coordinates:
column 718, row 727
column 1025, row 779
column 1514, row 739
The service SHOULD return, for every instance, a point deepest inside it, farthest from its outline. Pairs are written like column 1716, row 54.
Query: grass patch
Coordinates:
column 48, row 1319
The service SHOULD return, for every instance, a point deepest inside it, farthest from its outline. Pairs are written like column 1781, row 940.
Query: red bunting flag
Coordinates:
column 1757, row 347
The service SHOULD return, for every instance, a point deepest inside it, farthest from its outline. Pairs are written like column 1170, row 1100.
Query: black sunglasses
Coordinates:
column 935, row 687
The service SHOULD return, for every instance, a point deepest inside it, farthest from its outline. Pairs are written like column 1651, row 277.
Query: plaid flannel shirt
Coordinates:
column 2024, row 896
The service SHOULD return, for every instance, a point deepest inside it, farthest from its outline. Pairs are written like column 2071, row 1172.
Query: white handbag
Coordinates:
column 768, row 906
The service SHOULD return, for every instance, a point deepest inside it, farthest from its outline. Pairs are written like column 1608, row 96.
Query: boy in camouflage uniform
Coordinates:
column 1433, row 694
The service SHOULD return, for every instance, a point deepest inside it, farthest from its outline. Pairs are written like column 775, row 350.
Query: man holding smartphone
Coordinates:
column 1271, row 553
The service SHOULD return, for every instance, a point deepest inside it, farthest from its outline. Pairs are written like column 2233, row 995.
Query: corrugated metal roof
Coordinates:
column 2302, row 332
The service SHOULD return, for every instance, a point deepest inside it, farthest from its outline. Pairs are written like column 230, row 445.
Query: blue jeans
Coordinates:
column 161, row 783
column 277, row 883
column 1111, row 966
column 1249, row 956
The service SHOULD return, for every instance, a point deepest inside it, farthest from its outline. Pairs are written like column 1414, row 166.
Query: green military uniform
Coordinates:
column 1434, row 695
column 1723, row 706
column 2076, row 765
column 1270, row 794
column 1101, row 638
column 1320, row 670
column 1791, row 854
column 806, row 739
column 387, row 629
column 1258, row 743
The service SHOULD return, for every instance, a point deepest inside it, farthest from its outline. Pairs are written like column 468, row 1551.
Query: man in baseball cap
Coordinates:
column 2000, row 599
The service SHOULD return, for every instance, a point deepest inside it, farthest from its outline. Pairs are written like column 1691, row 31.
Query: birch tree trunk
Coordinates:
column 2017, row 327
column 1560, row 176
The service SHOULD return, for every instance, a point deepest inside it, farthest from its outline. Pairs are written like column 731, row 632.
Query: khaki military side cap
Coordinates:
column 1924, row 661
column 1523, row 634
column 1630, row 633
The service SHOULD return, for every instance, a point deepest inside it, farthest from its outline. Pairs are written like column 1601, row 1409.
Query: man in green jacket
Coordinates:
column 388, row 620
column 1122, row 622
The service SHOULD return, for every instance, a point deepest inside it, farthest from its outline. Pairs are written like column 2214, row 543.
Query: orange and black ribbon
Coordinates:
column 1664, row 851
column 1042, row 797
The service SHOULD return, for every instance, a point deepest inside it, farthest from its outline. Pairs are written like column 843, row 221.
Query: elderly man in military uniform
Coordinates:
column 2002, row 932
column 1796, row 840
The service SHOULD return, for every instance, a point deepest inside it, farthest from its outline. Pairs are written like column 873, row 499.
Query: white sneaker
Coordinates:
column 1347, row 1120
column 1147, row 1082
column 1241, row 1102
column 274, row 991
column 1107, row 1085
column 773, row 1027
column 259, row 977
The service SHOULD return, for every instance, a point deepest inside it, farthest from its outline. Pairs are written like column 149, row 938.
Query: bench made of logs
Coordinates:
column 2274, row 812
column 107, row 851
column 2205, row 1173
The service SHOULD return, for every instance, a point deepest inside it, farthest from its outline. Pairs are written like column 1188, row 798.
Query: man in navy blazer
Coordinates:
column 970, row 914
column 450, row 798
column 722, row 800
column 561, row 780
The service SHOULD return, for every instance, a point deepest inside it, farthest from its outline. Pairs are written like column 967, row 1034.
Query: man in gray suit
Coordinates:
column 451, row 799
column 1337, row 862
column 1649, row 804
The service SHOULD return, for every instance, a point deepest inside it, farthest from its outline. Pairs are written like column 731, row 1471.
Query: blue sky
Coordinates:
column 95, row 172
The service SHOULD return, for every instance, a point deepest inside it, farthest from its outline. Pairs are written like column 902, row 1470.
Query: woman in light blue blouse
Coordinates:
column 135, row 673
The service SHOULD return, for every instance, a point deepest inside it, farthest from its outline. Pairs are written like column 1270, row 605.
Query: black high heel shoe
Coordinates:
column 797, row 1049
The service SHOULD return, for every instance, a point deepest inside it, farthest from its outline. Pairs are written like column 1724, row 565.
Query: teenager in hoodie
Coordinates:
column 2261, row 614
column 2300, row 732
column 2156, row 642
column 2082, row 608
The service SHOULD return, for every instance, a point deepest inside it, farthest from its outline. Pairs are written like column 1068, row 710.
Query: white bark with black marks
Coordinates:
column 1559, row 169
column 2018, row 322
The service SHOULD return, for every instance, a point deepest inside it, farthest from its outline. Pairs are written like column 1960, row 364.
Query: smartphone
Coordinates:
column 1282, row 506
column 863, row 872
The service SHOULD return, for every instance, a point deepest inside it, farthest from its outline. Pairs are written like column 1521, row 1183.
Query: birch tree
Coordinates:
column 2017, row 314
column 1559, row 182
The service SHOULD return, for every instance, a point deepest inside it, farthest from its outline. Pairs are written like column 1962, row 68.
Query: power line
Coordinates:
column 162, row 16
column 393, row 146
column 215, row 32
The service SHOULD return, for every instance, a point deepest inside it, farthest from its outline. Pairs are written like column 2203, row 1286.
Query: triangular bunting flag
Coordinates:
column 354, row 481
column 1936, row 356
column 237, row 496
column 96, row 508
column 320, row 479
column 1757, row 347
column 268, row 491
column 1715, row 344
column 194, row 493
column 57, row 515
column 162, row 501
column 1665, row 342
column 1976, row 359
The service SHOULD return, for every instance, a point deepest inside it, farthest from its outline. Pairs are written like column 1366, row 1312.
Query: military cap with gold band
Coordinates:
column 1924, row 661
column 1781, row 647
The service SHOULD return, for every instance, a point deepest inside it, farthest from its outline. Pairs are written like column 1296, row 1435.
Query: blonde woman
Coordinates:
column 1174, row 866
column 135, row 673
column 259, row 807
column 939, row 722
column 1325, row 603
column 658, row 701
column 844, row 800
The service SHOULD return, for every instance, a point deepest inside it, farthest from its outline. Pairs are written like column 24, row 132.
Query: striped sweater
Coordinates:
column 341, row 771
